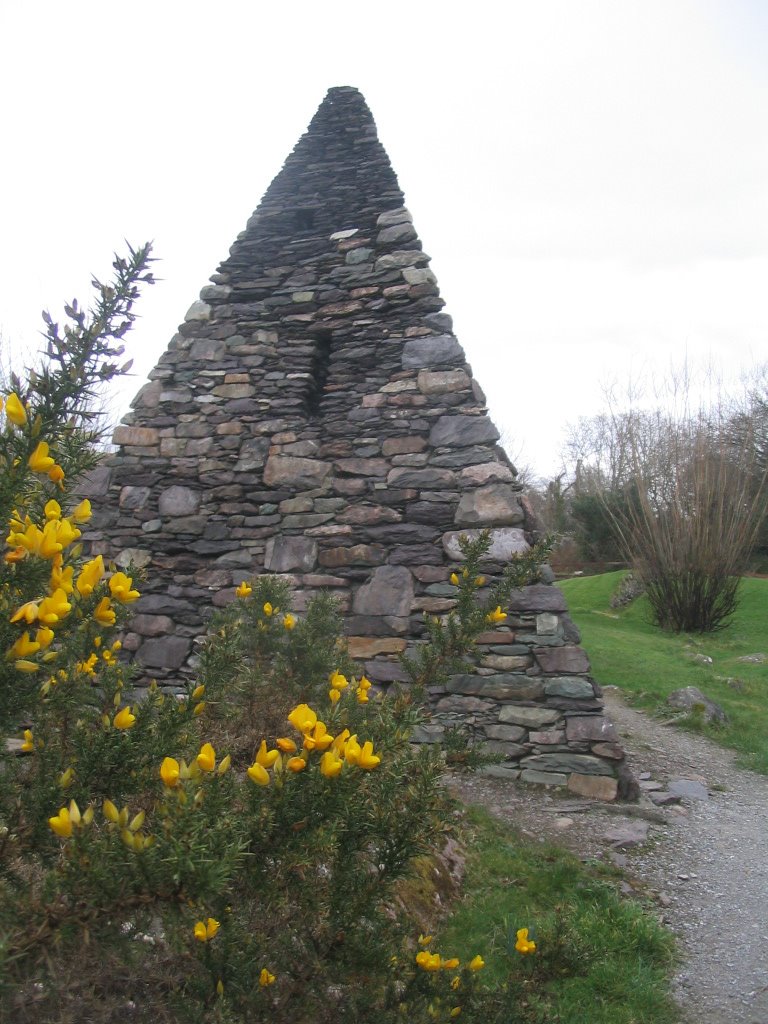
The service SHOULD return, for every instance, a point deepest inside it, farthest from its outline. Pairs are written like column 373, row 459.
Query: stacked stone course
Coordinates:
column 315, row 417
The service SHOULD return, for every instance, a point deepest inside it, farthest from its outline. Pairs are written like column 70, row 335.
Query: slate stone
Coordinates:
column 134, row 497
column 613, row 751
column 299, row 473
column 689, row 789
column 136, row 558
column 290, row 554
column 442, row 382
column 569, row 686
column 460, row 431
column 531, row 718
column 493, row 505
column 692, row 700
column 178, row 501
column 627, row 835
column 389, row 592
column 168, row 652
column 594, row 787
column 543, row 778
column 547, row 623
column 151, row 625
column 379, row 671
column 486, row 472
column 421, row 478
column 584, row 764
column 497, row 687
column 537, row 598
column 253, row 454
column 593, row 728
column 508, row 733
column 551, row 737
column 566, row 660
column 368, row 647
column 505, row 542
column 433, row 350
column 135, row 436
column 508, row 750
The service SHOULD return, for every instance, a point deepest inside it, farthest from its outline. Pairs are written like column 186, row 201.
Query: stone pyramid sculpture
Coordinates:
column 315, row 417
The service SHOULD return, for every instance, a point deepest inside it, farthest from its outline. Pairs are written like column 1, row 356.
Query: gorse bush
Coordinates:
column 232, row 852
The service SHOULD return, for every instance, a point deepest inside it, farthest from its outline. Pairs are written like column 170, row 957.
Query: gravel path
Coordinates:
column 704, row 861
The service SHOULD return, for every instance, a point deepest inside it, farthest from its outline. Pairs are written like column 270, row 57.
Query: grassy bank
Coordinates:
column 600, row 959
column 626, row 650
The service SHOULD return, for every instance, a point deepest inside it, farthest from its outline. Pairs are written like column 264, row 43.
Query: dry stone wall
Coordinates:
column 315, row 417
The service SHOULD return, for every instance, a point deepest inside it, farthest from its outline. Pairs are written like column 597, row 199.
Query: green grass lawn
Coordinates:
column 626, row 650
column 600, row 959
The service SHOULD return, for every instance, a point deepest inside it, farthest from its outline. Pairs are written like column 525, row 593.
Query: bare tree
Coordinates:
column 683, row 489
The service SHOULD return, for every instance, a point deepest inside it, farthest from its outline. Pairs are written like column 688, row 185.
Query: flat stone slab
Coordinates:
column 597, row 787
column 627, row 835
column 511, row 686
column 505, row 542
column 538, row 598
column 584, row 764
column 543, row 778
column 389, row 592
column 688, row 789
column 532, row 718
column 461, row 431
column 419, row 353
column 494, row 504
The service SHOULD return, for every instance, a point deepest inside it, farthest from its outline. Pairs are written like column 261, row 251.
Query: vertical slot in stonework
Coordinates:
column 304, row 219
column 321, row 361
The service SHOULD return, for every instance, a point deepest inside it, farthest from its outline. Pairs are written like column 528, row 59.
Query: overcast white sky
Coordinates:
column 590, row 177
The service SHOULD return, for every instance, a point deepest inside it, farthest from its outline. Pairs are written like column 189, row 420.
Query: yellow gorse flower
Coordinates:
column 206, row 930
column 104, row 613
column 429, row 961
column 318, row 738
column 258, row 774
column 265, row 978
column 302, row 718
column 244, row 590
column 523, row 945
column 206, row 759
column 266, row 758
column 70, row 818
column 267, row 609
column 289, row 621
column 15, row 411
column 89, row 576
column 120, row 588
column 454, row 579
column 61, row 824
column 476, row 963
column 338, row 681
column 366, row 758
column 124, row 719
column 82, row 512
column 170, row 770
column 23, row 647
column 331, row 764
column 29, row 743
column 497, row 615
column 40, row 461
column 54, row 608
